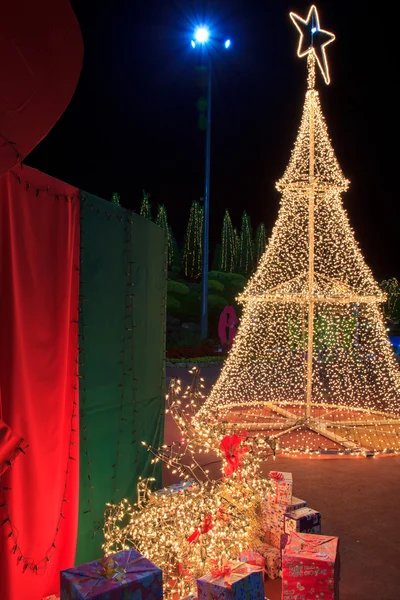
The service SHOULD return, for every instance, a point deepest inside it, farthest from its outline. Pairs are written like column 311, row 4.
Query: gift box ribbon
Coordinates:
column 112, row 569
column 231, row 572
column 314, row 545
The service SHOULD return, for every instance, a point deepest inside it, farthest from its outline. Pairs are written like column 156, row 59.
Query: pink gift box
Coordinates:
column 133, row 575
column 252, row 557
column 310, row 567
column 245, row 581
column 282, row 486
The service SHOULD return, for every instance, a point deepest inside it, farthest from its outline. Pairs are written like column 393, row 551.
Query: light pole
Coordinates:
column 202, row 38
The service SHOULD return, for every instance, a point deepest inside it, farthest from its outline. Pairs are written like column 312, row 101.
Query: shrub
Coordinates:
column 175, row 287
column 215, row 286
column 172, row 303
column 227, row 277
column 216, row 303
column 198, row 359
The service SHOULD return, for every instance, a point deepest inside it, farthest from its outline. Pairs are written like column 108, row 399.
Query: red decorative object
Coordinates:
column 277, row 475
column 230, row 448
column 227, row 321
column 222, row 515
column 233, row 581
column 41, row 52
column 39, row 282
column 180, row 574
column 310, row 567
column 205, row 527
column 11, row 445
column 224, row 572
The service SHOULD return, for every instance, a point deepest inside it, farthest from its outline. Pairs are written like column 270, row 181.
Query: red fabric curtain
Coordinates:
column 39, row 287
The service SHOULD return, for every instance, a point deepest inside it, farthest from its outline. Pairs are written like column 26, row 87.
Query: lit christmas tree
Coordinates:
column 115, row 198
column 260, row 242
column 245, row 254
column 228, row 245
column 311, row 365
column 145, row 207
column 193, row 249
column 161, row 221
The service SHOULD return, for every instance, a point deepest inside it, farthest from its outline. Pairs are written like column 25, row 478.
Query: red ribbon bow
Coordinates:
column 224, row 572
column 276, row 475
column 179, row 574
column 230, row 448
column 205, row 527
column 222, row 515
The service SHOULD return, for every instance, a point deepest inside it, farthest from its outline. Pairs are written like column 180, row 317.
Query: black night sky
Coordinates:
column 132, row 123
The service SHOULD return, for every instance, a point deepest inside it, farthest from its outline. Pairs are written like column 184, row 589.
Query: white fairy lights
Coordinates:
column 213, row 520
column 311, row 366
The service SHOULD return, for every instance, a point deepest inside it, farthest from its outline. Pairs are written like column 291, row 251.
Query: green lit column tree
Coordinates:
column 162, row 221
column 228, row 245
column 145, row 207
column 193, row 248
column 245, row 259
column 260, row 242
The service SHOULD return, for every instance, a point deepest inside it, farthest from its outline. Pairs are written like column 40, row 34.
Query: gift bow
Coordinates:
column 205, row 527
column 98, row 576
column 277, row 475
column 222, row 515
column 224, row 572
column 230, row 448
column 231, row 570
column 112, row 570
column 180, row 573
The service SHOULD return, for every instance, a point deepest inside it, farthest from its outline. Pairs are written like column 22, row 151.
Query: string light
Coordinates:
column 311, row 366
column 228, row 245
column 193, row 248
column 245, row 254
column 145, row 208
column 208, row 520
column 161, row 221
column 260, row 242
column 308, row 28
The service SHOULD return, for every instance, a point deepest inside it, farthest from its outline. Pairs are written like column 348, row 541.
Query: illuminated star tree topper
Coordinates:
column 313, row 39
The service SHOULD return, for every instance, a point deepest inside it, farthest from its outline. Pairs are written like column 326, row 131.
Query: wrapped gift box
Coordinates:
column 274, row 519
column 252, row 557
column 296, row 504
column 243, row 582
column 303, row 520
column 282, row 486
column 127, row 573
column 273, row 538
column 181, row 486
column 272, row 559
column 310, row 567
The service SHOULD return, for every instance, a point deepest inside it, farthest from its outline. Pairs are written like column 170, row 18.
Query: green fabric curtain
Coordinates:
column 121, row 360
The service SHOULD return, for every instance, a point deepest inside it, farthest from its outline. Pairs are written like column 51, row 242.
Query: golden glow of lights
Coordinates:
column 311, row 367
column 308, row 28
column 160, row 523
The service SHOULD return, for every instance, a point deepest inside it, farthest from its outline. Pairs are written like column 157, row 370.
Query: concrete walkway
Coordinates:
column 359, row 499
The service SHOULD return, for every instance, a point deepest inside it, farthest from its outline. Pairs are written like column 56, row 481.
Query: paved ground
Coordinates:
column 359, row 500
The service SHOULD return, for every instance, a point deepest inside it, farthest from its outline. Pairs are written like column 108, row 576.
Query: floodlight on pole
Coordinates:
column 202, row 37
